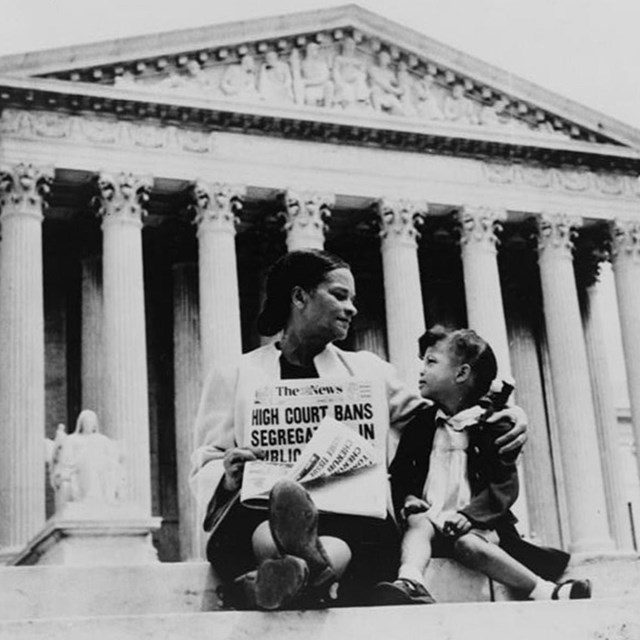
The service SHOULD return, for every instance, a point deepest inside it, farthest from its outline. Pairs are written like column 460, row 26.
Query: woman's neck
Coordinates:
column 300, row 351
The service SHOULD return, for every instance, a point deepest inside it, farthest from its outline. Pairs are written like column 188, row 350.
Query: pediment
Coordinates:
column 344, row 60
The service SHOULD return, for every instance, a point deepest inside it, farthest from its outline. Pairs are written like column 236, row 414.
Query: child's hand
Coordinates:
column 413, row 504
column 455, row 524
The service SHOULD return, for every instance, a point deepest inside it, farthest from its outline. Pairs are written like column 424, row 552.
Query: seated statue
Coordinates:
column 316, row 78
column 426, row 99
column 239, row 80
column 275, row 83
column 385, row 90
column 350, row 77
column 458, row 108
column 86, row 465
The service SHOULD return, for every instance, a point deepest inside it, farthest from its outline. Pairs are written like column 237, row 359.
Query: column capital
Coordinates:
column 122, row 196
column 625, row 236
column 216, row 204
column 556, row 232
column 399, row 219
column 480, row 226
column 24, row 189
column 592, row 248
column 307, row 212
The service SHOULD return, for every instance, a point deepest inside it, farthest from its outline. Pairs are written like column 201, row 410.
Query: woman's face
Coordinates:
column 329, row 308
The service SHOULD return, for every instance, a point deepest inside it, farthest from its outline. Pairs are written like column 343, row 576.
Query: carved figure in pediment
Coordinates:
column 275, row 83
column 315, row 74
column 193, row 81
column 427, row 103
column 492, row 115
column 126, row 80
column 240, row 80
column 386, row 93
column 409, row 90
column 350, row 77
column 458, row 108
column 86, row 465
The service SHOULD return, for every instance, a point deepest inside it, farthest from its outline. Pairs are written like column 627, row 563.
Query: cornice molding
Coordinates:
column 100, row 62
column 37, row 109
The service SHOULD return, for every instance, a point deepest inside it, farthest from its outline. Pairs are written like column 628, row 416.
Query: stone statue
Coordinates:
column 239, row 80
column 194, row 81
column 458, row 108
column 350, row 77
column 427, row 103
column 318, row 87
column 385, row 90
column 492, row 115
column 408, row 87
column 275, row 83
column 86, row 465
column 126, row 79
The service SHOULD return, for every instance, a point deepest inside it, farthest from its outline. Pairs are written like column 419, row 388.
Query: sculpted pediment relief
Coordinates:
column 341, row 70
column 344, row 75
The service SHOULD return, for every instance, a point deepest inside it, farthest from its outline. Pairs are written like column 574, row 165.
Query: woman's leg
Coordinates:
column 264, row 548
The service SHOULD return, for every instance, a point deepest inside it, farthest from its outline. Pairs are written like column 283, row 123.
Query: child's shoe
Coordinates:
column 293, row 520
column 401, row 591
column 572, row 590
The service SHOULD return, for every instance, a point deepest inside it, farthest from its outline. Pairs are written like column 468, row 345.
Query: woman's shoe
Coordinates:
column 279, row 582
column 293, row 520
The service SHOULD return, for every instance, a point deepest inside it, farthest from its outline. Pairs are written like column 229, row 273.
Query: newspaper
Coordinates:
column 330, row 436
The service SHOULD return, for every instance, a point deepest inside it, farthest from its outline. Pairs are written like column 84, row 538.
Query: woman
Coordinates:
column 310, row 299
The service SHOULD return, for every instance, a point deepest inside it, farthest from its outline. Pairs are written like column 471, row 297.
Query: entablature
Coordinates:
column 55, row 104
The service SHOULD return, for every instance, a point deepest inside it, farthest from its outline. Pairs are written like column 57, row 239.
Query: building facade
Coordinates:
column 146, row 184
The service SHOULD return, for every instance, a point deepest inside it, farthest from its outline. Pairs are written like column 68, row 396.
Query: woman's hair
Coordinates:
column 305, row 268
column 469, row 348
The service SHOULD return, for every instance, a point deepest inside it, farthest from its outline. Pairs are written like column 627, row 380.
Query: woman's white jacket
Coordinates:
column 227, row 391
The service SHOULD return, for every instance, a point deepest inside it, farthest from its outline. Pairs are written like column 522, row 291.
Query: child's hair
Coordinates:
column 469, row 348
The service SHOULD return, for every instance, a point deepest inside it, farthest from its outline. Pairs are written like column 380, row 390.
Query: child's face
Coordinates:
column 439, row 370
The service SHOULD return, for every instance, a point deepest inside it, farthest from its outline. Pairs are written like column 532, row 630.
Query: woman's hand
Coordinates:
column 233, row 463
column 513, row 440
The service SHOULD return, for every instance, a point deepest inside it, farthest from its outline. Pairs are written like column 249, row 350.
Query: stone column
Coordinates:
column 306, row 214
column 220, row 329
column 403, row 294
column 606, row 419
column 22, row 427
column 626, row 270
column 126, row 402
column 485, row 310
column 188, row 383
column 571, row 385
column 92, row 357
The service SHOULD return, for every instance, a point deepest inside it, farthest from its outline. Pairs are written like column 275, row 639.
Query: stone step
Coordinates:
column 607, row 618
column 50, row 591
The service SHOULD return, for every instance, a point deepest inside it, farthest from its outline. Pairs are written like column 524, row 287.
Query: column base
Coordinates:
column 80, row 535
column 9, row 554
column 593, row 547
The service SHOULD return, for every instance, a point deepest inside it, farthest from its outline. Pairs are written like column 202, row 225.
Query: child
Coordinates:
column 451, row 488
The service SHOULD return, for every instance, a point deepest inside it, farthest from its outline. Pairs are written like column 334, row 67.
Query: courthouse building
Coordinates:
column 147, row 183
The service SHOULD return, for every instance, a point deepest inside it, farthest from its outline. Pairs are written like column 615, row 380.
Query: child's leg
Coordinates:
column 415, row 552
column 477, row 553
